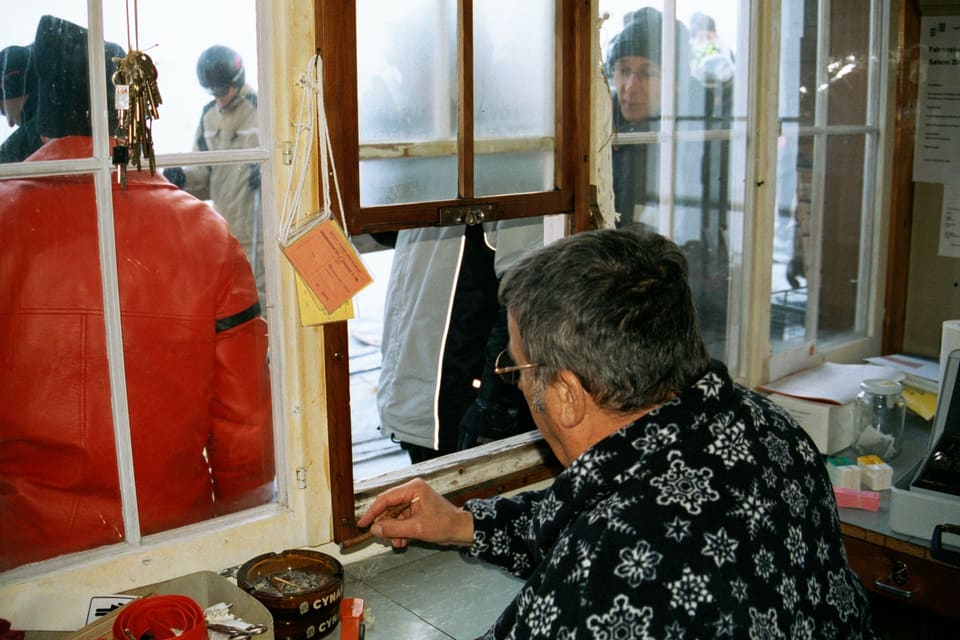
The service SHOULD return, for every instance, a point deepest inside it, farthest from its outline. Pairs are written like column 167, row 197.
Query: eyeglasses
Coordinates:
column 643, row 74
column 509, row 372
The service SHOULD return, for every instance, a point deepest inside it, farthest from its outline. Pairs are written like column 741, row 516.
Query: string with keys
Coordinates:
column 136, row 99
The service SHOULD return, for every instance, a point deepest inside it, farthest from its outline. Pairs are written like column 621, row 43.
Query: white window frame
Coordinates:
column 302, row 516
column 866, row 337
column 297, row 517
column 749, row 346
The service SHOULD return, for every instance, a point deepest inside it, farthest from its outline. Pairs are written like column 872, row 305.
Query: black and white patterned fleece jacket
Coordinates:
column 710, row 517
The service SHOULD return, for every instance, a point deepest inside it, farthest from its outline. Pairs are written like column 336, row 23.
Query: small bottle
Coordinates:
column 880, row 412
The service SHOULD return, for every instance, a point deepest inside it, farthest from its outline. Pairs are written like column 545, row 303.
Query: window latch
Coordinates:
column 468, row 214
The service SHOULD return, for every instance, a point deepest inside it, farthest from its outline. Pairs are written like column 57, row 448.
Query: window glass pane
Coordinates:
column 838, row 82
column 207, row 78
column 820, row 257
column 194, row 339
column 45, row 84
column 706, row 64
column 58, row 486
column 195, row 350
column 701, row 224
column 175, row 34
column 849, row 61
column 792, row 248
column 173, row 43
column 822, row 240
column 407, row 93
column 842, row 236
column 699, row 204
column 798, row 61
column 512, row 105
column 399, row 180
column 636, row 182
column 633, row 64
column 185, row 53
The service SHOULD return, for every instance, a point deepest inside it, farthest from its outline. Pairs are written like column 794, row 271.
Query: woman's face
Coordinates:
column 637, row 81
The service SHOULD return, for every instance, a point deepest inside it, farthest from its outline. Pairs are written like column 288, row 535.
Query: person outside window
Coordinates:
column 700, row 201
column 442, row 331
column 228, row 123
column 633, row 65
column 194, row 344
column 18, row 103
column 689, row 506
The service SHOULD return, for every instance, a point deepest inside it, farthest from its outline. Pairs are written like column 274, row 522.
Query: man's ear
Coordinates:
column 571, row 399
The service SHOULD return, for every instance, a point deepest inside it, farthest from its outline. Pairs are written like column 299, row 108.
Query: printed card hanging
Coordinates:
column 328, row 264
column 312, row 312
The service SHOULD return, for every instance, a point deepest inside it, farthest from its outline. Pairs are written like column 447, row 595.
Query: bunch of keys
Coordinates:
column 136, row 100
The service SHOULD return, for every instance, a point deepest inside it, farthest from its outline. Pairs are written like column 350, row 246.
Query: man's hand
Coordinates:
column 432, row 518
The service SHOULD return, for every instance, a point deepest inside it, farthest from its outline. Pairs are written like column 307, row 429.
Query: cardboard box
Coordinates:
column 830, row 425
column 205, row 587
column 209, row 588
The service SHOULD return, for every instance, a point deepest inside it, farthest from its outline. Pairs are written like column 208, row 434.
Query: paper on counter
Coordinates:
column 917, row 367
column 830, row 382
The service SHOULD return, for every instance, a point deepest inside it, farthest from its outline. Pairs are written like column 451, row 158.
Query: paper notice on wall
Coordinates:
column 937, row 150
column 950, row 222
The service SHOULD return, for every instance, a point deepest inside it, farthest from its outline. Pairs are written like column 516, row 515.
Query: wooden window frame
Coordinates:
column 337, row 46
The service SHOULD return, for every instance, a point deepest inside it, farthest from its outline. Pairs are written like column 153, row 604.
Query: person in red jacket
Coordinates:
column 194, row 347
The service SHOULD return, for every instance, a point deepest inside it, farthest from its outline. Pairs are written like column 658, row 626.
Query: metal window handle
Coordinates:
column 893, row 584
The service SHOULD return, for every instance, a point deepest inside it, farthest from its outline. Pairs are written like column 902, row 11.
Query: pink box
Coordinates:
column 853, row 499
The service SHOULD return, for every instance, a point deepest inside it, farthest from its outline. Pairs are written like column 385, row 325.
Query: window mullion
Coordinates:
column 819, row 160
column 465, row 89
column 668, row 120
column 869, row 238
column 103, row 185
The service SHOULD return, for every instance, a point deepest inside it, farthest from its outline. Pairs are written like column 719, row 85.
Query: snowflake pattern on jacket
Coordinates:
column 710, row 517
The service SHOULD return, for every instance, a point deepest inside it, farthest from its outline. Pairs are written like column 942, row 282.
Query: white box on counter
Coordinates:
column 829, row 425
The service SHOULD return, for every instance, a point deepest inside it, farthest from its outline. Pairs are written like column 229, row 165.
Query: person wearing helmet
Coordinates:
column 18, row 102
column 228, row 122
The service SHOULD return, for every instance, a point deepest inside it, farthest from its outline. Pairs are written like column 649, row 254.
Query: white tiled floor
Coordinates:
column 428, row 594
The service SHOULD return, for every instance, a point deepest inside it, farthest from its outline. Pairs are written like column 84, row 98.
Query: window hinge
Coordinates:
column 301, row 478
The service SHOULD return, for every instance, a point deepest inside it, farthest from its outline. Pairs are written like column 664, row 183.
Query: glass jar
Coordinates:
column 880, row 412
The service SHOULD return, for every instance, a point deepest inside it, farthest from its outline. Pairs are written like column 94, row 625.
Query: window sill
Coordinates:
column 486, row 470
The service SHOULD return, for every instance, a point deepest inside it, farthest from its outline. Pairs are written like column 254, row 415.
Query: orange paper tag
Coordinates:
column 328, row 264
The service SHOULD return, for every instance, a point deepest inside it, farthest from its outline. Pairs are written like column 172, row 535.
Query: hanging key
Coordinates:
column 148, row 74
column 143, row 98
column 121, row 153
column 121, row 156
column 149, row 99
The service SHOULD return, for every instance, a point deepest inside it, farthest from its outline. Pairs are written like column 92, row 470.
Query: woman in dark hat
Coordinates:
column 633, row 65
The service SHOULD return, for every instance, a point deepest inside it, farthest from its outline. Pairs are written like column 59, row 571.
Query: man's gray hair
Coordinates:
column 614, row 307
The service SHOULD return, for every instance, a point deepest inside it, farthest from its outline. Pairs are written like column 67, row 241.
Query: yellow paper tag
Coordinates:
column 312, row 312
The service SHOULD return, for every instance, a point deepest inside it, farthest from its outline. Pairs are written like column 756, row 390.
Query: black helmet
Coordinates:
column 220, row 68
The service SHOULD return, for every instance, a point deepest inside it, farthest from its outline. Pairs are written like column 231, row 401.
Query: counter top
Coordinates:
column 916, row 438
